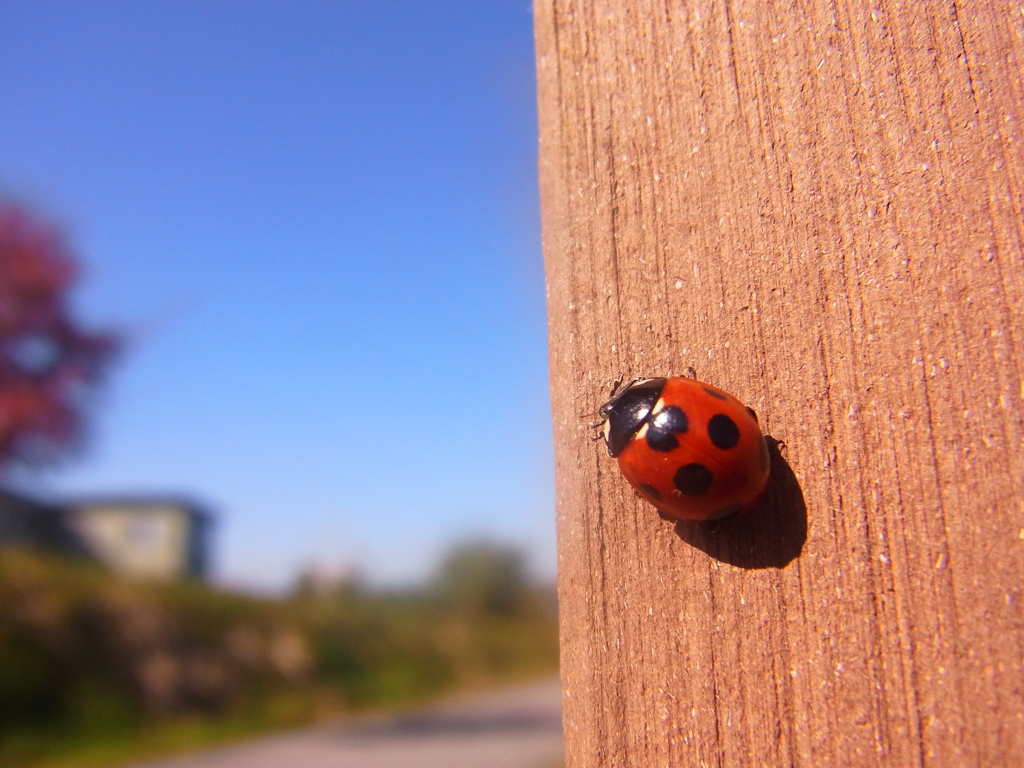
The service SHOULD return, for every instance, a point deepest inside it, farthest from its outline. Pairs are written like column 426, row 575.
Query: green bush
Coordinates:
column 114, row 663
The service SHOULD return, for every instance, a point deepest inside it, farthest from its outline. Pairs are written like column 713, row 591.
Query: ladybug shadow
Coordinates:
column 770, row 536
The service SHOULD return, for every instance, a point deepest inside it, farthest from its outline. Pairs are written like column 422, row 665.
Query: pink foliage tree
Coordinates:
column 48, row 364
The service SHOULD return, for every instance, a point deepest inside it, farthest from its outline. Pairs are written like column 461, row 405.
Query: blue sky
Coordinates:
column 317, row 225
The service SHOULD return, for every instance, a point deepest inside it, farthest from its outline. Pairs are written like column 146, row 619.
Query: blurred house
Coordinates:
column 158, row 538
column 153, row 538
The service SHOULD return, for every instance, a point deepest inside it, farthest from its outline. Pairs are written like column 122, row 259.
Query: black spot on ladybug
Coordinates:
column 664, row 426
column 693, row 479
column 662, row 441
column 649, row 491
column 715, row 393
column 763, row 459
column 730, row 509
column 752, row 413
column 723, row 431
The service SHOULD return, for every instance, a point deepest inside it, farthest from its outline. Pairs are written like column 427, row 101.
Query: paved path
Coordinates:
column 515, row 728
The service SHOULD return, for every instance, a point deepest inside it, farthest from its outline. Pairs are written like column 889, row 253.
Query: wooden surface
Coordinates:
column 818, row 206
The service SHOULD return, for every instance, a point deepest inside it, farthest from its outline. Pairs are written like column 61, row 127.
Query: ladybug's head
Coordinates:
column 627, row 412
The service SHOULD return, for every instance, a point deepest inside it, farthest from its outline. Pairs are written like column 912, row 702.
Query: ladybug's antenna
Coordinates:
column 611, row 394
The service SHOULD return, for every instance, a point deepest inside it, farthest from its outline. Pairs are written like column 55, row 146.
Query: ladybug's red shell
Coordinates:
column 693, row 451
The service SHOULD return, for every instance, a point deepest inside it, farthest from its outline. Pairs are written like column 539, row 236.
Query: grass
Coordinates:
column 86, row 748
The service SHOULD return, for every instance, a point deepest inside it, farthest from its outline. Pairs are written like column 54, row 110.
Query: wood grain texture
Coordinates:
column 818, row 206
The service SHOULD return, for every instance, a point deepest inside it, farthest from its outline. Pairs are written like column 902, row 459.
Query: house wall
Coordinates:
column 151, row 541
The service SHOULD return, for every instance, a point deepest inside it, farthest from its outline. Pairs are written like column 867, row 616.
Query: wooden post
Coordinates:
column 817, row 205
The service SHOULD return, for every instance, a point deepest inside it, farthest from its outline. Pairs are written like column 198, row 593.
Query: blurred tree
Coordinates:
column 47, row 363
column 484, row 576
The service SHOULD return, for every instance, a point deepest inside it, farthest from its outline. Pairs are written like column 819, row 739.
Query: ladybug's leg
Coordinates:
column 618, row 383
column 688, row 373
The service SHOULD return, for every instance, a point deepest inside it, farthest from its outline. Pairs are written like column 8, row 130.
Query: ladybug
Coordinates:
column 693, row 451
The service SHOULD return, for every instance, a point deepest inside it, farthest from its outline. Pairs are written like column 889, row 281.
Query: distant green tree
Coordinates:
column 47, row 361
column 483, row 575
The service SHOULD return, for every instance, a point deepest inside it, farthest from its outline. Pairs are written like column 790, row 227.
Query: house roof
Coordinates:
column 184, row 503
